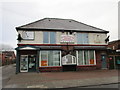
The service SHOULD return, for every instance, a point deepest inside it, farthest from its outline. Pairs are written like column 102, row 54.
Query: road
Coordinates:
column 107, row 87
column 114, row 85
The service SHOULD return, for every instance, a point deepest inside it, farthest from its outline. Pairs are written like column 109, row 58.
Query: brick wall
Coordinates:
column 50, row 69
column 82, row 68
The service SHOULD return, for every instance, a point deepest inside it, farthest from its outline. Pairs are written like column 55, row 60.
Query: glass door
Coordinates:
column 32, row 63
column 24, row 63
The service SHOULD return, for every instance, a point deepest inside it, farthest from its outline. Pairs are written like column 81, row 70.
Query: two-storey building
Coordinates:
column 53, row 44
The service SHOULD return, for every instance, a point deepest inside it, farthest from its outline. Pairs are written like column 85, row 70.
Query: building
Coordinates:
column 53, row 44
column 7, row 57
column 114, row 54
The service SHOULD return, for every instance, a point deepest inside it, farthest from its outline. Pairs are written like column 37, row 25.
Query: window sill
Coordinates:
column 49, row 66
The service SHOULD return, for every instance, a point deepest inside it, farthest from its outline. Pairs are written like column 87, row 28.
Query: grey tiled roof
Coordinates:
column 59, row 24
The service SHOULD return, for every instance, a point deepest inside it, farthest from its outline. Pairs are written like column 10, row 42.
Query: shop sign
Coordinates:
column 67, row 38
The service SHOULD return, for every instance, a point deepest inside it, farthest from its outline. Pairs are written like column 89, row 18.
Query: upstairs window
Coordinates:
column 49, row 37
column 28, row 35
column 82, row 38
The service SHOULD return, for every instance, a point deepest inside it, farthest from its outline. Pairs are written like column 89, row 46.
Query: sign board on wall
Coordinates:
column 67, row 38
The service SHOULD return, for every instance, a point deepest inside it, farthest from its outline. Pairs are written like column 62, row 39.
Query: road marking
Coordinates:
column 37, row 86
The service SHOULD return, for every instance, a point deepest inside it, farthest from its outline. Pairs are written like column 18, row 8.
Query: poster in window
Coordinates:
column 43, row 63
column 91, row 61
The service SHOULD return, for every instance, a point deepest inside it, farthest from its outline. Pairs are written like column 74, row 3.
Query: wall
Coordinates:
column 93, row 38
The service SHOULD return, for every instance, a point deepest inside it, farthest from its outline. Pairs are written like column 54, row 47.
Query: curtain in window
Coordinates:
column 49, row 37
column 87, row 58
column 82, row 38
column 85, row 38
column 52, row 37
column 44, row 58
column 45, row 37
column 79, row 38
column 80, row 57
column 91, row 57
column 50, row 58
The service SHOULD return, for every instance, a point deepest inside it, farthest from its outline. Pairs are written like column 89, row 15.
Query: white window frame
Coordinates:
column 28, row 38
column 47, row 59
column 48, row 38
column 88, row 58
column 40, row 59
column 82, row 38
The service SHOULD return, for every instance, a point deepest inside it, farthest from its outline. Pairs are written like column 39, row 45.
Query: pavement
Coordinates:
column 62, row 79
column 5, row 74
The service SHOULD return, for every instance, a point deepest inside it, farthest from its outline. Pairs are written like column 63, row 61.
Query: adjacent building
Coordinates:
column 114, row 54
column 53, row 44
column 7, row 57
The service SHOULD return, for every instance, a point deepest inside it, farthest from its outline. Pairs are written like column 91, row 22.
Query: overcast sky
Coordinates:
column 99, row 13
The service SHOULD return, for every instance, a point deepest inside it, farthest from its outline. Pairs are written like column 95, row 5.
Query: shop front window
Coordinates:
column 86, row 57
column 50, row 58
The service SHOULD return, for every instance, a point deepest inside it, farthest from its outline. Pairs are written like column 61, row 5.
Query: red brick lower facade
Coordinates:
column 50, row 69
column 34, row 57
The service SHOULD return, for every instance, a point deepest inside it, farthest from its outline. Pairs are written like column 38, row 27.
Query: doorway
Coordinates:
column 104, row 64
column 111, row 62
column 31, row 63
column 28, row 63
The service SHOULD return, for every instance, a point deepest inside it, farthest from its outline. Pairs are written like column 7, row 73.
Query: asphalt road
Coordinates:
column 114, row 85
column 100, row 87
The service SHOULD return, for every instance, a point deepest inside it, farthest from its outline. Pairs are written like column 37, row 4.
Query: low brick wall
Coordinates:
column 83, row 68
column 60, row 69
column 50, row 69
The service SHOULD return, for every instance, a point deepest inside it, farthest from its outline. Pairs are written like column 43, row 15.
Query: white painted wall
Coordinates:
column 97, row 38
column 94, row 38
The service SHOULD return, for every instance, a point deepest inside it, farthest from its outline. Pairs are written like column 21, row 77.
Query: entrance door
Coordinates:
column 31, row 63
column 117, row 58
column 28, row 63
column 24, row 63
column 104, row 64
column 111, row 62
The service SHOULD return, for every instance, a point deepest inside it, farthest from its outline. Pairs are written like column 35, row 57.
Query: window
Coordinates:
column 82, row 38
column 49, row 37
column 86, row 57
column 68, row 60
column 50, row 58
column 28, row 35
column 45, row 37
column 44, row 58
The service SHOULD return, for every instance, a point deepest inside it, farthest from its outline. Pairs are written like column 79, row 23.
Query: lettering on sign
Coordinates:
column 67, row 38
